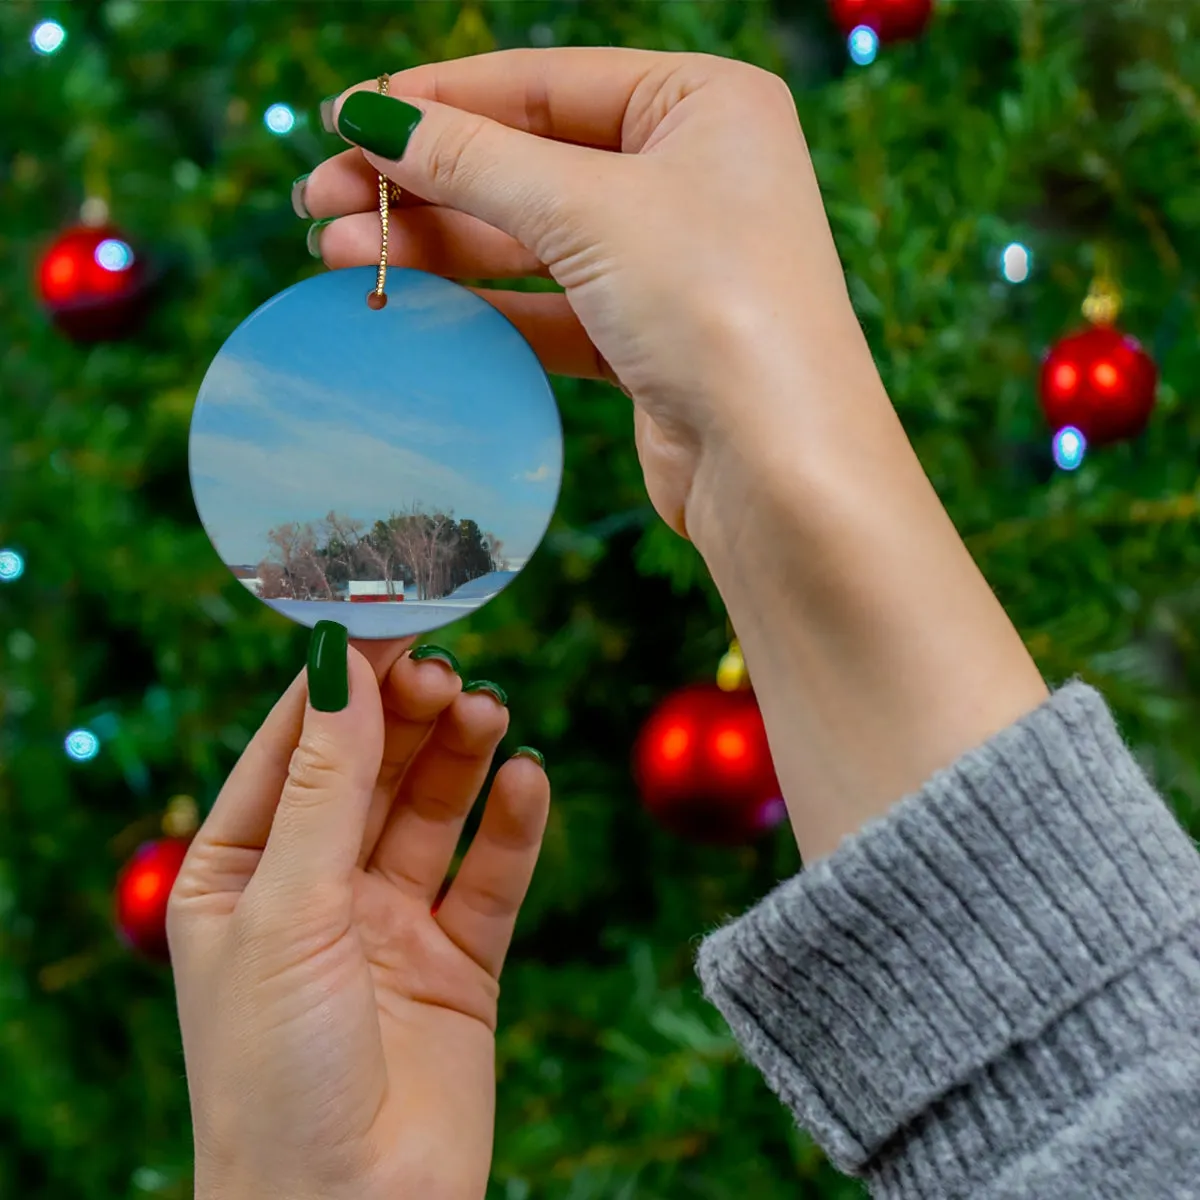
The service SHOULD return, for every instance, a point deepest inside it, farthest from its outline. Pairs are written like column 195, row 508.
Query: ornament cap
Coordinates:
column 1103, row 303
column 731, row 673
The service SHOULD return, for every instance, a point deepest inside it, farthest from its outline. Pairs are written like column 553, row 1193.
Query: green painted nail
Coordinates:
column 421, row 653
column 313, row 239
column 328, row 667
column 530, row 752
column 298, row 205
column 327, row 112
column 378, row 123
column 486, row 685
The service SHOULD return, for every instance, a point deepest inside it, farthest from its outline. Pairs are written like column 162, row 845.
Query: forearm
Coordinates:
column 878, row 652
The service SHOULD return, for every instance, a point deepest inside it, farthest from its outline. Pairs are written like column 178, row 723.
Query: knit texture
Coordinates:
column 994, row 990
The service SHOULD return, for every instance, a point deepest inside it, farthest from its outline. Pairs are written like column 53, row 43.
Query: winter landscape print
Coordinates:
column 391, row 470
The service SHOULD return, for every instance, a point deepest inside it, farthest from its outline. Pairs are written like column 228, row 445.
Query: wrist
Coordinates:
column 878, row 652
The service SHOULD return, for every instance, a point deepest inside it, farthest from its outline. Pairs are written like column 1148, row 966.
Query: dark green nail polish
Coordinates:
column 328, row 667
column 313, row 239
column 298, row 205
column 378, row 123
column 327, row 112
column 530, row 752
column 486, row 685
column 421, row 653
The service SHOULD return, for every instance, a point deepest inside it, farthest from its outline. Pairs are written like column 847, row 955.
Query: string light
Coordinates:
column 82, row 745
column 114, row 255
column 12, row 566
column 864, row 45
column 280, row 119
column 1069, row 448
column 47, row 37
column 1016, row 263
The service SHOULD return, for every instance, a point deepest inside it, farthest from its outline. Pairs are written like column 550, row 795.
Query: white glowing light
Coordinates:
column 114, row 255
column 12, row 566
column 1016, row 262
column 82, row 745
column 864, row 45
column 280, row 119
column 1069, row 448
column 47, row 37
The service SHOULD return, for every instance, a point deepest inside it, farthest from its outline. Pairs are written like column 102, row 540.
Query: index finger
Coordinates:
column 382, row 655
column 574, row 94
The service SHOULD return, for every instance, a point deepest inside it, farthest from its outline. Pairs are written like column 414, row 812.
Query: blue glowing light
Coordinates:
column 864, row 45
column 47, row 37
column 114, row 255
column 1016, row 262
column 82, row 745
column 12, row 566
column 1069, row 448
column 280, row 119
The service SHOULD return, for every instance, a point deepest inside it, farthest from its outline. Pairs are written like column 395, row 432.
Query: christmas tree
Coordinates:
column 980, row 178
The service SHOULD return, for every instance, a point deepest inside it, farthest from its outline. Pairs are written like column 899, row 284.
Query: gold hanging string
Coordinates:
column 389, row 194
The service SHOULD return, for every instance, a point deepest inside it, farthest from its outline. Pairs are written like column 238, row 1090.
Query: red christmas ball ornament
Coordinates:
column 1101, row 382
column 142, row 891
column 703, row 767
column 93, row 283
column 892, row 20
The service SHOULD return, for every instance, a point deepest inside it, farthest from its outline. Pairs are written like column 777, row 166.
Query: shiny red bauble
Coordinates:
column 892, row 20
column 1100, row 381
column 93, row 283
column 143, row 888
column 703, row 767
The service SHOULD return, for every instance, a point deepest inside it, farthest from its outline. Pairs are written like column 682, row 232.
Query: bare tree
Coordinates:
column 495, row 551
column 378, row 551
column 312, row 566
column 425, row 541
column 296, row 551
column 273, row 581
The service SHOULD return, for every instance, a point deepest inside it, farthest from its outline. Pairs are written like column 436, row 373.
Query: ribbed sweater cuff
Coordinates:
column 983, row 954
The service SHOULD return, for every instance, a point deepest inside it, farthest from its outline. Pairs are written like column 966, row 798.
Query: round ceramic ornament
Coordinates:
column 387, row 459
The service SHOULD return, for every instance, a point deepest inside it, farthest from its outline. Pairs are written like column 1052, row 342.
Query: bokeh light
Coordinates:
column 114, row 255
column 1069, row 448
column 864, row 45
column 280, row 119
column 47, row 37
column 1016, row 263
column 12, row 566
column 82, row 745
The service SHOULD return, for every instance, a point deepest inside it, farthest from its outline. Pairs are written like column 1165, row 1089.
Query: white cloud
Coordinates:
column 259, row 391
column 544, row 472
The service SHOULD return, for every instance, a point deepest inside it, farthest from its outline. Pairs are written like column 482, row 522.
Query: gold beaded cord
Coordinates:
column 389, row 193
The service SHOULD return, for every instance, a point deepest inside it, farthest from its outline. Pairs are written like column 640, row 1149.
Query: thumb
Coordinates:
column 517, row 182
column 321, row 820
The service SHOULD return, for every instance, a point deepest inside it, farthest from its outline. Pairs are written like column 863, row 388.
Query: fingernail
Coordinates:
column 313, row 238
column 378, row 123
column 486, row 685
column 530, row 752
column 298, row 205
column 421, row 653
column 327, row 113
column 328, row 667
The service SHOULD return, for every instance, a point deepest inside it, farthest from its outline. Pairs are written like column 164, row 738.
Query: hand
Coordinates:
column 338, row 1035
column 673, row 198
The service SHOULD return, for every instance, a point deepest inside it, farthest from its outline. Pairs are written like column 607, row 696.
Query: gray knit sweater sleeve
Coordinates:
column 994, row 990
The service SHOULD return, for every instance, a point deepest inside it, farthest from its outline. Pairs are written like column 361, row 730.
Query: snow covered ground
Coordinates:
column 402, row 619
